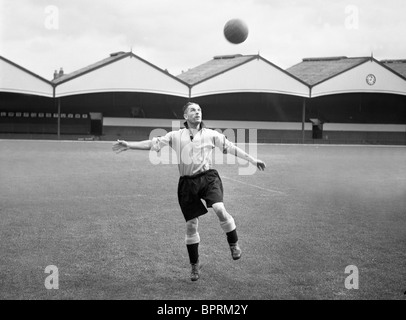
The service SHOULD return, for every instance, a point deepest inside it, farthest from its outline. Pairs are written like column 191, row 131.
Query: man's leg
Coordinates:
column 192, row 241
column 227, row 223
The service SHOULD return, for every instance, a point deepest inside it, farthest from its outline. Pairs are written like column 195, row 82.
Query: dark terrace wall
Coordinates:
column 26, row 114
column 357, row 108
column 126, row 104
column 360, row 108
column 373, row 108
column 23, row 114
column 252, row 107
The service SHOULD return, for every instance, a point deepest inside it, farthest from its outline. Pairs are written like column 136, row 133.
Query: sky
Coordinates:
column 176, row 35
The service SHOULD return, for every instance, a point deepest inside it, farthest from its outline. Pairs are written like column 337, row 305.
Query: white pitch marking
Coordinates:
column 255, row 186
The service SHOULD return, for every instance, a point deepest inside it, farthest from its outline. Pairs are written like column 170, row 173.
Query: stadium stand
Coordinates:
column 319, row 100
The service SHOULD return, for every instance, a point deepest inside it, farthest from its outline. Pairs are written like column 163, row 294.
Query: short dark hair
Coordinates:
column 187, row 106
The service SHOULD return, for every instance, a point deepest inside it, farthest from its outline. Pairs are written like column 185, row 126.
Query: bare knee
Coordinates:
column 221, row 211
column 192, row 236
column 191, row 226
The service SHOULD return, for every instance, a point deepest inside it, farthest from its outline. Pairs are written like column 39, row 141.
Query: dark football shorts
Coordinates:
column 206, row 185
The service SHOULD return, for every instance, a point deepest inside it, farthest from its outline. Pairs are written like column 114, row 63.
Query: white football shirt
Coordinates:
column 194, row 154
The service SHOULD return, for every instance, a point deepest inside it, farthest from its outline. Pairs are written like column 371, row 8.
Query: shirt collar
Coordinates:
column 202, row 125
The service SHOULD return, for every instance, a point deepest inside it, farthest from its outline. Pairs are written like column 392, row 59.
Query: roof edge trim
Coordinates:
column 26, row 70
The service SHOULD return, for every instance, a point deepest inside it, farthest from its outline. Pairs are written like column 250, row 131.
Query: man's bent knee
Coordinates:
column 191, row 226
column 221, row 211
column 228, row 225
column 192, row 236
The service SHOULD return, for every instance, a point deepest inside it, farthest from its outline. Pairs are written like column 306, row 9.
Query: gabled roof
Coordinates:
column 121, row 71
column 214, row 67
column 112, row 58
column 316, row 70
column 335, row 75
column 116, row 56
column 399, row 66
column 25, row 70
column 16, row 79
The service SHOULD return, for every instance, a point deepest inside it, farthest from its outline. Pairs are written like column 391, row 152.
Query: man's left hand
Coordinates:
column 260, row 164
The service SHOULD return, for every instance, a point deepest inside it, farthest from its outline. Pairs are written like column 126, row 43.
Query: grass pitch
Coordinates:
column 113, row 227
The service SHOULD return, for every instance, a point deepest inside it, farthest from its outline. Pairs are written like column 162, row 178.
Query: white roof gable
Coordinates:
column 127, row 73
column 381, row 80
column 16, row 79
column 254, row 75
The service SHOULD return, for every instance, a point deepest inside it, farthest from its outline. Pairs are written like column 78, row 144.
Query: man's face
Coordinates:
column 193, row 114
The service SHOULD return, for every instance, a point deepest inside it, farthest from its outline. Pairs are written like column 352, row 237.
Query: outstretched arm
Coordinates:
column 243, row 155
column 122, row 145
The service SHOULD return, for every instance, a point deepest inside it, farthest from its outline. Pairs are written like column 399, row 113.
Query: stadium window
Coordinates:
column 26, row 114
column 33, row 114
column 48, row 115
column 55, row 115
column 63, row 115
column 84, row 116
column 11, row 114
column 18, row 114
column 40, row 115
column 77, row 116
column 3, row 114
column 70, row 115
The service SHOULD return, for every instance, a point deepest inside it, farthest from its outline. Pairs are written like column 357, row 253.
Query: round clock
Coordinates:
column 371, row 79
